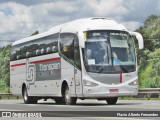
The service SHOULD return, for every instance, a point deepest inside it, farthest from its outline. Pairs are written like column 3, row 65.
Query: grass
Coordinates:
column 10, row 97
column 135, row 98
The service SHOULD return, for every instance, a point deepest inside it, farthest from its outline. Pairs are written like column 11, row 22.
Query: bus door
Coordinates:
column 70, row 51
column 77, row 68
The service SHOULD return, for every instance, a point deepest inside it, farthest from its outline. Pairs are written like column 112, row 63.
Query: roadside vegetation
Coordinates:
column 4, row 68
column 149, row 57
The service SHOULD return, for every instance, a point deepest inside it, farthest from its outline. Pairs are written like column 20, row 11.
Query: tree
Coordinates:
column 149, row 58
column 4, row 68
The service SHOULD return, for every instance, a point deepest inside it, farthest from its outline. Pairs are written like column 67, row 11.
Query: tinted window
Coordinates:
column 67, row 45
column 51, row 44
column 69, row 48
column 41, row 46
column 38, row 47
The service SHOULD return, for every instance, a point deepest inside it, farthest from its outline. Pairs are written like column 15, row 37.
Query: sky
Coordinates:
column 20, row 18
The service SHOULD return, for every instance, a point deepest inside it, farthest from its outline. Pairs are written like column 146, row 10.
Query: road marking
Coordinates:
column 9, row 110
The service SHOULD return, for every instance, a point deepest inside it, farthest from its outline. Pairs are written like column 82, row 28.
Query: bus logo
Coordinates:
column 30, row 72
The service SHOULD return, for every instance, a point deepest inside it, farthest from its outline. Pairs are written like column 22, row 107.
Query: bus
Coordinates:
column 90, row 58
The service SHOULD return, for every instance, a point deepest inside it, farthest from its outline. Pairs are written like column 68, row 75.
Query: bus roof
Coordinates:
column 95, row 23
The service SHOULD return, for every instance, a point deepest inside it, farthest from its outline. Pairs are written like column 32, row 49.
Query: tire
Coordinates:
column 28, row 99
column 68, row 100
column 59, row 100
column 112, row 100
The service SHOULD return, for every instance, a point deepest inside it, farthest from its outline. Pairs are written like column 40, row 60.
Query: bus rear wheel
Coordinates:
column 28, row 99
column 112, row 100
column 59, row 100
column 68, row 100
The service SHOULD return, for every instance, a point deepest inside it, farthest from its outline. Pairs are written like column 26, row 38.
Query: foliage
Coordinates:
column 4, row 68
column 149, row 58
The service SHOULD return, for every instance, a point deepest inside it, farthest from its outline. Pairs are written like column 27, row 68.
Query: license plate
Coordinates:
column 113, row 90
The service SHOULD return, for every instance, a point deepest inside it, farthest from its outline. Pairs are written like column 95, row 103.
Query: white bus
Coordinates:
column 86, row 58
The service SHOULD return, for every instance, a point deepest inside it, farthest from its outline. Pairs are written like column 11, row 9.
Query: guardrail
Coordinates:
column 148, row 92
column 142, row 93
column 7, row 95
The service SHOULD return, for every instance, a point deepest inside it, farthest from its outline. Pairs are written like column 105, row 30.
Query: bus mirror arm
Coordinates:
column 139, row 38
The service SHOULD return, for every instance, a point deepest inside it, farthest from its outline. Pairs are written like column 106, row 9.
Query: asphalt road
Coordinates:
column 93, row 106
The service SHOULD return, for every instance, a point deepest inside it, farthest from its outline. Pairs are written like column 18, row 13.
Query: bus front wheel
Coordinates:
column 28, row 99
column 112, row 100
column 67, row 98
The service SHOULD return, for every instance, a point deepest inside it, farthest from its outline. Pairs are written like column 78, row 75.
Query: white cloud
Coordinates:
column 17, row 21
column 107, row 8
column 51, row 14
column 20, row 18
column 19, row 14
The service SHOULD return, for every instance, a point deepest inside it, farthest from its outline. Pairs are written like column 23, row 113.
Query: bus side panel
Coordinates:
column 67, row 71
column 17, row 76
column 47, row 78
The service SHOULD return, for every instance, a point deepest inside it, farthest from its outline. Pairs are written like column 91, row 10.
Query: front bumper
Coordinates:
column 112, row 91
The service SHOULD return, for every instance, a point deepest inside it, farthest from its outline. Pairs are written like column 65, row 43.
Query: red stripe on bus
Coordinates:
column 15, row 65
column 38, row 61
column 46, row 60
column 120, row 77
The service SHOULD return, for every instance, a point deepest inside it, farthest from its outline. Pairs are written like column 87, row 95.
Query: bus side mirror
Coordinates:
column 81, row 39
column 139, row 38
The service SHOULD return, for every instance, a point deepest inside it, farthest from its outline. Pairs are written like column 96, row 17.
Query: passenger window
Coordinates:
column 38, row 47
column 27, row 50
column 67, row 46
column 52, row 44
column 19, row 52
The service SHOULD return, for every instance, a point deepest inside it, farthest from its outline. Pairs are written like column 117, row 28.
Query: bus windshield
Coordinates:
column 109, row 52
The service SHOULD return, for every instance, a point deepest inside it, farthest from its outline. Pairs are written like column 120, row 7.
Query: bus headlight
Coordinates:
column 89, row 83
column 133, row 83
